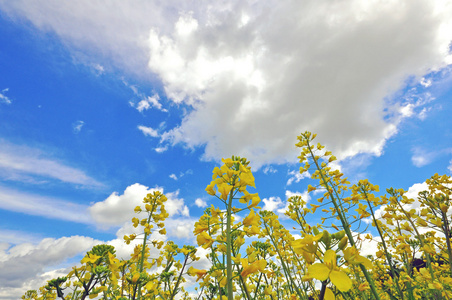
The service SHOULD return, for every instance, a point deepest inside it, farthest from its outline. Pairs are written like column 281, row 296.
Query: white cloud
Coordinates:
column 272, row 203
column 26, row 261
column 161, row 149
column 15, row 237
column 148, row 131
column 118, row 209
column 253, row 74
column 77, row 126
column 450, row 166
column 269, row 169
column 296, row 176
column 200, row 203
column 43, row 206
column 422, row 157
column 235, row 72
column 149, row 102
column 21, row 162
column 181, row 174
column 3, row 98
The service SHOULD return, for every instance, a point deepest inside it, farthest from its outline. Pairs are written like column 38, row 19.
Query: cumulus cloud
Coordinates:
column 272, row 203
column 3, row 98
column 18, row 162
column 118, row 209
column 255, row 72
column 328, row 71
column 200, row 203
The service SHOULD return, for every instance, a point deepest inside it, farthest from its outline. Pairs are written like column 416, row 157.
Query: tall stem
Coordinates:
column 344, row 221
column 229, row 246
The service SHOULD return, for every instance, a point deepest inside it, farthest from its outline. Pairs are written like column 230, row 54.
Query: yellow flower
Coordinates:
column 135, row 277
column 258, row 265
column 251, row 219
column 91, row 258
column 435, row 286
column 329, row 269
column 200, row 228
column 204, row 240
column 247, row 178
column 307, row 244
column 224, row 189
column 210, row 189
column 352, row 256
column 200, row 273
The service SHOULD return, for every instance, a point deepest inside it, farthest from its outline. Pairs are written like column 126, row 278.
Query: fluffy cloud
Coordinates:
column 118, row 209
column 300, row 65
column 272, row 203
column 255, row 72
column 200, row 203
column 18, row 162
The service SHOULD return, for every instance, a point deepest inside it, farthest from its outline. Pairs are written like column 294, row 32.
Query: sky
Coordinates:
column 102, row 102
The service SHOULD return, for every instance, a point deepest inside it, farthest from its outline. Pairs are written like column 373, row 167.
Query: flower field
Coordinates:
column 253, row 255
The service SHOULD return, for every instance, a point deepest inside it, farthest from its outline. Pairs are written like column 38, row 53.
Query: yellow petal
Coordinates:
column 341, row 280
column 329, row 295
column 330, row 257
column 319, row 271
column 366, row 262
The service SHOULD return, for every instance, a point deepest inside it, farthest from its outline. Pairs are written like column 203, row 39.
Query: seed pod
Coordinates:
column 343, row 243
column 326, row 238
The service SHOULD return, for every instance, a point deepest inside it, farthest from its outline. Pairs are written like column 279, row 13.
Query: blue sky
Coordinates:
column 101, row 102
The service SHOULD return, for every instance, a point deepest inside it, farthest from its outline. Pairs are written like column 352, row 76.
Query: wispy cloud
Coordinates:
column 77, row 126
column 148, row 131
column 3, row 98
column 296, row 176
column 422, row 157
column 42, row 206
column 20, row 162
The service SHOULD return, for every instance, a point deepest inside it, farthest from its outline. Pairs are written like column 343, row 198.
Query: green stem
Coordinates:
column 228, row 246
column 387, row 254
column 344, row 222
